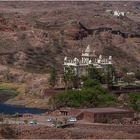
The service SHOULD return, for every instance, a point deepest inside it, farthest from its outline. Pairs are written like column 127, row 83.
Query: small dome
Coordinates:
column 100, row 56
column 89, row 61
column 76, row 59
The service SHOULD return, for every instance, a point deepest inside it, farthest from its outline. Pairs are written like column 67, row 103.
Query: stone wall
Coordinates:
column 74, row 112
column 104, row 117
column 89, row 116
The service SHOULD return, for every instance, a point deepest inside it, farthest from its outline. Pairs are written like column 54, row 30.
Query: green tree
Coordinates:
column 87, row 97
column 94, row 73
column 134, row 101
column 53, row 76
column 102, row 76
column 89, row 83
column 137, row 75
column 76, row 81
column 110, row 74
column 68, row 76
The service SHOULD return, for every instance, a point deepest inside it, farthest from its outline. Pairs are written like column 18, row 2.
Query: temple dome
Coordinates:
column 90, row 62
column 76, row 59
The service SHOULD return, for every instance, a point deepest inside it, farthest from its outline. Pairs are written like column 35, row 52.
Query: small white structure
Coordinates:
column 118, row 13
column 88, row 57
column 109, row 11
column 130, row 73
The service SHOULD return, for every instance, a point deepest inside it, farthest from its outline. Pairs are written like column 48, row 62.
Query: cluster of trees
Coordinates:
column 87, row 97
column 70, row 79
column 101, row 76
column 91, row 95
column 134, row 101
column 94, row 77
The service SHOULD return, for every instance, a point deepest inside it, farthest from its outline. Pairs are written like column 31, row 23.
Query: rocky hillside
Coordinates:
column 37, row 35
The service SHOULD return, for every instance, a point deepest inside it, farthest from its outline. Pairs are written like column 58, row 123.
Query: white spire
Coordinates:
column 88, row 49
column 100, row 56
column 110, row 57
column 76, row 60
column 65, row 58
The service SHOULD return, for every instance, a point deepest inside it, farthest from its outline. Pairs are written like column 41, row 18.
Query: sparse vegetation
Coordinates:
column 20, row 88
column 7, row 131
column 37, row 59
column 129, row 79
column 10, row 90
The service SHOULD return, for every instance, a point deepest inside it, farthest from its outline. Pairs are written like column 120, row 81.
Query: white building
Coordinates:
column 88, row 57
column 118, row 13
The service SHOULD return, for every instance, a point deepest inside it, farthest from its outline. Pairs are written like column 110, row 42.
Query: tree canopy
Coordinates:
column 134, row 101
column 87, row 97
